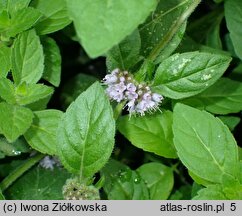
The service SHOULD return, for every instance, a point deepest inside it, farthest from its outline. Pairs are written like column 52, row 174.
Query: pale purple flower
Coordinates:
column 131, row 92
column 141, row 107
column 157, row 97
column 110, row 79
column 131, row 106
column 122, row 79
column 122, row 86
column 49, row 162
column 146, row 96
column 116, row 91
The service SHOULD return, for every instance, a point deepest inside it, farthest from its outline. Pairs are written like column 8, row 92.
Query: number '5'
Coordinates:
column 232, row 207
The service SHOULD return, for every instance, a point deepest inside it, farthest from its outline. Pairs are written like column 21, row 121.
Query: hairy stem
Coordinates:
column 20, row 170
column 118, row 109
column 173, row 30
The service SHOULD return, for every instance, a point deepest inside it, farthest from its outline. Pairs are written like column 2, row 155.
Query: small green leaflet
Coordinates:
column 110, row 172
column 129, row 186
column 224, row 97
column 187, row 74
column 125, row 54
column 13, row 149
column 5, row 60
column 42, row 133
column 212, row 192
column 7, row 92
column 105, row 23
column 22, row 20
column 29, row 93
column 27, row 58
column 4, row 21
column 207, row 148
column 209, row 24
column 122, row 183
column 158, row 178
column 182, row 193
column 54, row 17
column 52, row 70
column 14, row 120
column 23, row 94
column 230, row 121
column 85, row 136
column 152, row 133
column 15, row 5
column 233, row 10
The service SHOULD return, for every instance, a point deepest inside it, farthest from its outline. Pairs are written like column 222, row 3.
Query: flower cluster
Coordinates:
column 74, row 190
column 49, row 162
column 122, row 87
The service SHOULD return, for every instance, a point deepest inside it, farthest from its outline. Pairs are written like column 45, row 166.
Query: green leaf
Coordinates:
column 24, row 93
column 209, row 24
column 110, row 172
column 13, row 149
column 224, row 97
column 42, row 136
column 121, row 183
column 212, row 192
column 230, row 121
column 7, row 90
column 159, row 29
column 195, row 188
column 233, row 10
column 213, row 38
column 236, row 73
column 5, row 60
column 232, row 187
column 125, row 54
column 86, row 133
column 30, row 93
column 39, row 184
column 172, row 45
column 40, row 104
column 3, row 4
column 74, row 87
column 129, row 186
column 14, row 120
column 188, row 45
column 204, row 144
column 182, row 193
column 52, row 71
column 158, row 178
column 114, row 20
column 198, row 179
column 27, row 58
column 54, row 18
column 4, row 21
column 187, row 74
column 22, row 20
column 152, row 133
column 15, row 5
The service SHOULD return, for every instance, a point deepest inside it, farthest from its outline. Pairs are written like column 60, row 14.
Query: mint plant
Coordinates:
column 120, row 99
